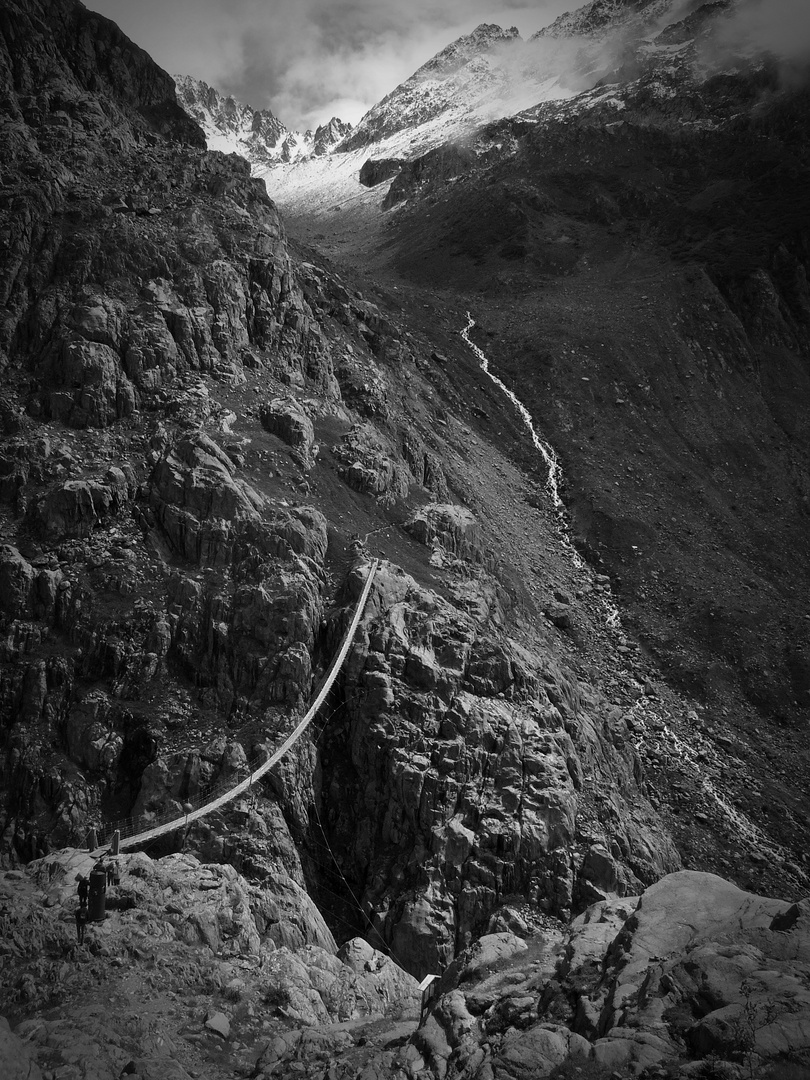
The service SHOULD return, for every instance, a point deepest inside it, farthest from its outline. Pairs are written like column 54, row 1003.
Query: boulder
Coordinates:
column 452, row 528
column 370, row 465
column 524, row 1055
column 219, row 1024
column 703, row 962
column 196, row 498
column 288, row 419
column 317, row 986
column 377, row 171
column 285, row 914
column 488, row 953
column 75, row 508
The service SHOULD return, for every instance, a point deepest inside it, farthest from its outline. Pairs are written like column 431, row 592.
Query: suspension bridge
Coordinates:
column 130, row 835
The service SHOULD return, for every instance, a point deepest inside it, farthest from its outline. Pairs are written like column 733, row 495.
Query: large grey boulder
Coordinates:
column 699, row 963
column 288, row 420
column 450, row 529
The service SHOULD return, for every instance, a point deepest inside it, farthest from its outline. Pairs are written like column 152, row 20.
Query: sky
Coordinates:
column 310, row 60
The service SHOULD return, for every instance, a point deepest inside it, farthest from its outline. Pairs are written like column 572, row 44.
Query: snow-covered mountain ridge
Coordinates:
column 481, row 76
column 256, row 134
column 593, row 58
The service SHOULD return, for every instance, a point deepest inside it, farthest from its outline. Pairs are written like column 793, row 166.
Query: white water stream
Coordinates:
column 546, row 451
column 554, row 471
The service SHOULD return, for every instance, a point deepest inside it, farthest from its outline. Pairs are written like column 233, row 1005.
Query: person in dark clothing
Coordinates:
column 83, row 890
column 81, row 922
column 110, row 872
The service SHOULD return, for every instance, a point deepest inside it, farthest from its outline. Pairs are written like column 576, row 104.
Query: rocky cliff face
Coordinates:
column 469, row 767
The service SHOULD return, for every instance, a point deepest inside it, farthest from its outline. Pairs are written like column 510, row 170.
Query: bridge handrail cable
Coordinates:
column 232, row 793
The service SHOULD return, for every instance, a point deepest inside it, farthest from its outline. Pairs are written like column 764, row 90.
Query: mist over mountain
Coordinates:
column 484, row 427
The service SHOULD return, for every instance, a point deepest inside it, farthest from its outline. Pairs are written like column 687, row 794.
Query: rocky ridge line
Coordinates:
column 256, row 134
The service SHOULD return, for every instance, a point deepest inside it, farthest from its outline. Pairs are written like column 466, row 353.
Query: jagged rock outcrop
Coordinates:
column 94, row 57
column 370, row 464
column 358, row 981
column 327, row 136
column 450, row 531
column 197, row 501
column 26, row 593
column 288, row 419
column 693, row 969
column 731, row 959
column 435, row 167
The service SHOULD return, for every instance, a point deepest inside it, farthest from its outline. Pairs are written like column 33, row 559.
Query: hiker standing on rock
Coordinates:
column 81, row 922
column 83, row 890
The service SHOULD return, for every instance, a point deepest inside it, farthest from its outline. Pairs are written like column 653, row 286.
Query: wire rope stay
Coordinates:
column 292, row 738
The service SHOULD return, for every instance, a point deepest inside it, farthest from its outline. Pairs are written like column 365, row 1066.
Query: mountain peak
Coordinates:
column 468, row 80
column 491, row 32
column 483, row 38
column 329, row 135
column 256, row 134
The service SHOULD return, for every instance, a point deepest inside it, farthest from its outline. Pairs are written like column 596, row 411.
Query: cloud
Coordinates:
column 780, row 27
column 309, row 60
column 319, row 58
